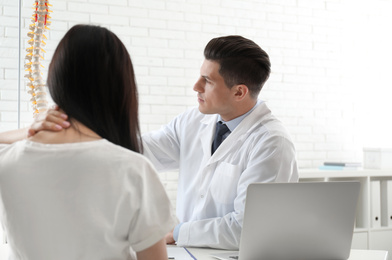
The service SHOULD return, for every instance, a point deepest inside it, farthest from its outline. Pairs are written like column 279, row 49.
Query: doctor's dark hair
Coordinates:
column 91, row 78
column 241, row 62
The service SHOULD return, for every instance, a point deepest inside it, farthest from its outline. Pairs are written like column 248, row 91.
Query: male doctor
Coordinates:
column 256, row 147
column 219, row 148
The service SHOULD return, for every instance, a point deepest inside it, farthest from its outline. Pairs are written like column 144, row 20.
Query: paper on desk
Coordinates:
column 179, row 253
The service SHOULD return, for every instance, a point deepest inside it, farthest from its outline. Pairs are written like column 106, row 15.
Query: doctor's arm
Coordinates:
column 276, row 163
column 162, row 147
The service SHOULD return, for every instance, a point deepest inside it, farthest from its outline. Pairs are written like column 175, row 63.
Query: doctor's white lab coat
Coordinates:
column 212, row 189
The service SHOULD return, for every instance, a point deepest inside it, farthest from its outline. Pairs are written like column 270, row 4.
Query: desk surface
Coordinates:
column 204, row 254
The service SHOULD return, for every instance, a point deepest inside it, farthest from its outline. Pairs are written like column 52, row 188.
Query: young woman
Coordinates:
column 86, row 192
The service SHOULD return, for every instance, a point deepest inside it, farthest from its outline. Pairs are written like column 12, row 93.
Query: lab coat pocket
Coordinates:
column 224, row 183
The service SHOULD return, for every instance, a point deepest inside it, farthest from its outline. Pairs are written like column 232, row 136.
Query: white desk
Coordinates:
column 204, row 254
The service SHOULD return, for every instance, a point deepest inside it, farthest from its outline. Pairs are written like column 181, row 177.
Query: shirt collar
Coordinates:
column 232, row 124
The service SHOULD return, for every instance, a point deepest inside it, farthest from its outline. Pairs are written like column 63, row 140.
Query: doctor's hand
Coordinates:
column 52, row 120
column 169, row 238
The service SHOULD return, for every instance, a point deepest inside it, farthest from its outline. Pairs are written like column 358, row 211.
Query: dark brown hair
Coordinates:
column 241, row 62
column 91, row 78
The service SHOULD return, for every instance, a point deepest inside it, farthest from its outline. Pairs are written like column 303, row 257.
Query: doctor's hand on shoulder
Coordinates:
column 53, row 120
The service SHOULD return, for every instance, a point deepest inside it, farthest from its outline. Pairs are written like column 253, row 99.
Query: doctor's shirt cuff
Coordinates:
column 176, row 231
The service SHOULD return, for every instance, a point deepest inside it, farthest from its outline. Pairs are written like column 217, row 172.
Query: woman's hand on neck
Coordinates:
column 76, row 133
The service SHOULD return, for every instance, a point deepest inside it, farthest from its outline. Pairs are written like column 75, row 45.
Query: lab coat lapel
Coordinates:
column 229, row 144
column 238, row 136
column 206, row 136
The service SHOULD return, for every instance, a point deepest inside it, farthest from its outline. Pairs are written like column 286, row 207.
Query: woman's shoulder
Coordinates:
column 3, row 146
column 8, row 148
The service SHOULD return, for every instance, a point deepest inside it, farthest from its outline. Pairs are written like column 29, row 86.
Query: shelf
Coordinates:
column 372, row 203
column 316, row 173
column 359, row 230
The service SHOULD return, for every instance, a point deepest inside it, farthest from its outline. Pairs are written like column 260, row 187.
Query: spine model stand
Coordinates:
column 35, row 83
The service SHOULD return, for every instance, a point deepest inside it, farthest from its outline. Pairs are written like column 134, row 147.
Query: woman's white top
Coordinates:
column 88, row 200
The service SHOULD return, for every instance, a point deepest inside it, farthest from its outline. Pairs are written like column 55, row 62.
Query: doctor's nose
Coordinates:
column 199, row 85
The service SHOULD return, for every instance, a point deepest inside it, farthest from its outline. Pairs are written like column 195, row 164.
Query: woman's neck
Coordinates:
column 76, row 133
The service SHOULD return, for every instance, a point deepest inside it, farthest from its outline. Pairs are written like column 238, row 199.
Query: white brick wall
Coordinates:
column 313, row 88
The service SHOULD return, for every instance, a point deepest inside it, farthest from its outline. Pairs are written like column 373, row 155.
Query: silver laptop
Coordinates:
column 292, row 221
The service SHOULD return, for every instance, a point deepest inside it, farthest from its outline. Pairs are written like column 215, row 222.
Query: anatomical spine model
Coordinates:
column 35, row 83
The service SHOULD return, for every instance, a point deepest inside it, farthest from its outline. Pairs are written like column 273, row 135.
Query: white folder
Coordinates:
column 375, row 203
column 386, row 203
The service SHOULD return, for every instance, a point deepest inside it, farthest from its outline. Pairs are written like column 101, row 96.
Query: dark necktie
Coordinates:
column 221, row 129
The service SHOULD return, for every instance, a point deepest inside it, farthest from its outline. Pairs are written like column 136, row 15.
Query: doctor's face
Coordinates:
column 213, row 95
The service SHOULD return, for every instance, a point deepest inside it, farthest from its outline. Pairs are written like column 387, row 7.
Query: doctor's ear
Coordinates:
column 240, row 91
